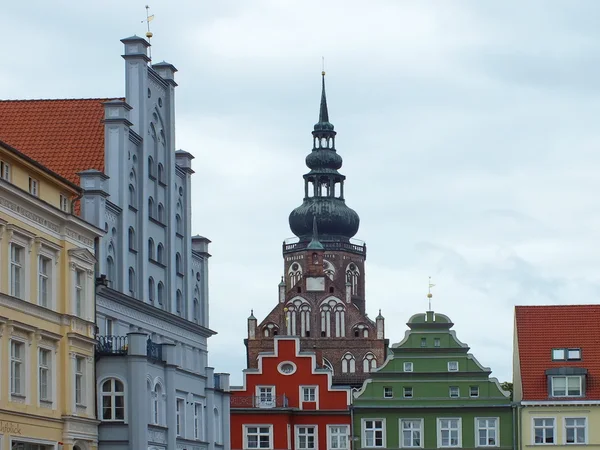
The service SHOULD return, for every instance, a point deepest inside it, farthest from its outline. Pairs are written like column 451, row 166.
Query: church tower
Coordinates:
column 322, row 292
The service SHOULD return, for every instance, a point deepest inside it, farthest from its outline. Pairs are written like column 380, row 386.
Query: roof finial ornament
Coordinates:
column 429, row 294
column 149, row 34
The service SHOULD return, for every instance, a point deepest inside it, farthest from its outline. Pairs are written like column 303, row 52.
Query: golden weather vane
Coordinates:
column 149, row 18
column 429, row 294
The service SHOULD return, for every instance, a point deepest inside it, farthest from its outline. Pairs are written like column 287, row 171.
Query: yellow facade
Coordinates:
column 47, row 311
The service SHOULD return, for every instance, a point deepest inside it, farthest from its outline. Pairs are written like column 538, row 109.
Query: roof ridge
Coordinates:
column 61, row 99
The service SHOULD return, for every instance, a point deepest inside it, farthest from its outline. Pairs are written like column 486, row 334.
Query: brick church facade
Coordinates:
column 322, row 292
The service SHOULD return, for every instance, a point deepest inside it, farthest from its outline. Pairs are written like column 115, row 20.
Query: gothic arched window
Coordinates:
column 150, row 167
column 132, row 197
column 179, row 302
column 333, row 316
column 131, row 281
column 348, row 363
column 160, row 254
column 369, row 363
column 151, row 207
column 178, row 266
column 110, row 270
column 151, row 289
column 131, row 236
column 161, row 213
column 160, row 292
column 352, row 275
column 150, row 248
column 161, row 173
column 298, row 318
column 178, row 227
column 295, row 274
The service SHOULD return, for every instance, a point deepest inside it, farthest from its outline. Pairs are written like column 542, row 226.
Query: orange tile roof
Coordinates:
column 542, row 328
column 67, row 136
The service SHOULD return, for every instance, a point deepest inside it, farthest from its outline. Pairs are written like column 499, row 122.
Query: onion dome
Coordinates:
column 324, row 203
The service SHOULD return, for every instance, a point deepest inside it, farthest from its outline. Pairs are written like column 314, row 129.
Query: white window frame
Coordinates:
column 49, row 369
column 34, row 187
column 408, row 366
column 315, row 436
column 585, row 429
column 316, row 395
column 266, row 403
column 533, row 428
column 198, row 421
column 388, row 392
column 338, row 434
column 496, row 430
column 64, row 203
column 22, row 365
column 453, row 366
column 79, row 380
column 451, row 388
column 405, row 391
column 440, row 430
column 21, row 265
column 374, row 429
column 79, row 287
column 112, row 394
column 566, row 378
column 258, row 434
column 471, row 391
column 180, row 417
column 559, row 354
column 5, row 171
column 401, row 430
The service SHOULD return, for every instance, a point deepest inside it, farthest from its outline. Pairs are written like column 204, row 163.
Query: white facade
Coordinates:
column 153, row 281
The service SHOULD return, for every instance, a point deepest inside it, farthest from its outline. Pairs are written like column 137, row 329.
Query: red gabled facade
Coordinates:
column 289, row 403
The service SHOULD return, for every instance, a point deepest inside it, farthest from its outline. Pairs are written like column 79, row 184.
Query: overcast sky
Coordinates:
column 469, row 132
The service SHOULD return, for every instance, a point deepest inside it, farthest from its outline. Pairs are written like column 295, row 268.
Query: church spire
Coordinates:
column 323, row 113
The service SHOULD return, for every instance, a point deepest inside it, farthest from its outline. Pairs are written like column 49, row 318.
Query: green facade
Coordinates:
column 431, row 393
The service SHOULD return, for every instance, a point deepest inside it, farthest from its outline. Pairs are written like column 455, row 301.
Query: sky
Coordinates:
column 468, row 130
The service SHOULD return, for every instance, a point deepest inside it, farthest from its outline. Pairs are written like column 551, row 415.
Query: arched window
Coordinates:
column 110, row 270
column 298, row 318
column 217, row 423
column 178, row 227
column 352, row 275
column 161, row 213
column 315, row 258
column 131, row 281
column 150, row 167
column 333, row 317
column 178, row 266
column 179, row 302
column 151, row 289
column 156, row 404
column 160, row 292
column 328, row 269
column 161, row 173
column 348, row 363
column 160, row 254
column 131, row 236
column 112, row 405
column 151, row 207
column 361, row 330
column 132, row 197
column 196, row 310
column 150, row 248
column 295, row 274
column 369, row 363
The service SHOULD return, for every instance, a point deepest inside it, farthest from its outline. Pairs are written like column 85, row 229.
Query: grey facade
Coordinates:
column 153, row 387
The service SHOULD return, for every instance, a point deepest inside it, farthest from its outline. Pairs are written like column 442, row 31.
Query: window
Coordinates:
column 198, row 421
column 17, row 368
column 575, row 430
column 180, row 419
column 161, row 173
column 161, row 213
column 160, row 292
column 151, row 289
column 179, row 301
column 266, row 396
column 369, row 363
column 411, row 431
column 113, row 400
column 558, row 354
column 566, row 386
column 487, row 432
column 178, row 266
column 454, row 392
column 338, row 437
column 17, row 271
column 79, row 292
column 131, row 281
column 388, row 392
column 156, row 402
column 131, row 236
column 132, row 197
column 45, row 374
column 64, row 203
column 196, row 310
column 79, row 380
column 407, row 392
column 408, row 367
column 4, row 171
column 151, row 208
column 160, row 250
column 473, row 391
column 562, row 354
column 373, row 433
column 348, row 363
column 150, row 249
column 178, row 227
column 108, row 327
column 573, row 354
column 34, row 187
column 543, row 431
column 44, row 288
column 452, row 366
column 436, row 342
column 305, row 438
column 150, row 167
column 449, row 433
column 309, row 394
column 258, row 436
column 423, row 342
column 110, row 270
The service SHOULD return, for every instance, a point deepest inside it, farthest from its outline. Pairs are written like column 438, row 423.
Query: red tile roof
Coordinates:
column 542, row 328
column 67, row 136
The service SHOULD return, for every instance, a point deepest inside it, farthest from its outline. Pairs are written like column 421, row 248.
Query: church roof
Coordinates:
column 65, row 135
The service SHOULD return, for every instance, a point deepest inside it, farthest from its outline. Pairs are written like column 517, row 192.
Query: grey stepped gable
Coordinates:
column 152, row 295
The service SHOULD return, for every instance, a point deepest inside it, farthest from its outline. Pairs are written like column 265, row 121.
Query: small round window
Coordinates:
column 295, row 266
column 287, row 368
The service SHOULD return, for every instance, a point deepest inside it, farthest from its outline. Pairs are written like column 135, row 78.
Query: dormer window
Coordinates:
column 566, row 354
column 567, row 386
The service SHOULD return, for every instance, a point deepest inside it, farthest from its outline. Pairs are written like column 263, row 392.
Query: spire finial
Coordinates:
column 149, row 34
column 429, row 294
column 323, row 113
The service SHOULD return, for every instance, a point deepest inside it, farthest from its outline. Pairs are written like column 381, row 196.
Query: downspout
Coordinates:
column 514, row 432
column 76, row 199
column 351, row 424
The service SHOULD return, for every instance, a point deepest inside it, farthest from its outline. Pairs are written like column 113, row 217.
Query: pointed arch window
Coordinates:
column 196, row 311
column 151, row 289
column 131, row 281
column 352, row 275
column 298, row 318
column 151, row 173
column 160, row 253
column 110, row 270
column 160, row 292
column 131, row 238
column 157, row 399
column 369, row 363
column 178, row 227
column 178, row 264
column 151, row 207
column 161, row 173
column 132, row 196
column 150, row 248
column 179, row 302
column 333, row 318
column 294, row 274
column 161, row 213
column 348, row 363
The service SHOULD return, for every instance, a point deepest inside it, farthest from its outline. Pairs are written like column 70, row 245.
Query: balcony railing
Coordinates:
column 353, row 245
column 253, row 401
column 111, row 345
column 154, row 351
